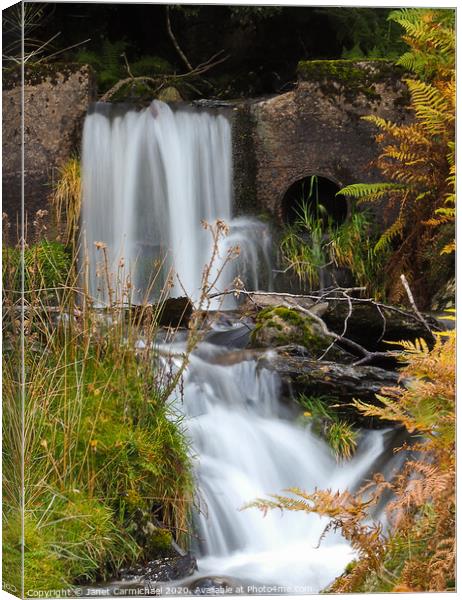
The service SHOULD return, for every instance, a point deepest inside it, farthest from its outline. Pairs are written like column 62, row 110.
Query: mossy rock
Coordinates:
column 280, row 326
column 348, row 72
column 158, row 542
column 169, row 94
column 352, row 77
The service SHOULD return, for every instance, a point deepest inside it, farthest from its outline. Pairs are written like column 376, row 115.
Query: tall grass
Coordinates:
column 107, row 476
column 341, row 436
column 66, row 198
column 314, row 242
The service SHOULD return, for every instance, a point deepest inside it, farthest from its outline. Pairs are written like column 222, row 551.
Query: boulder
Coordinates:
column 279, row 326
column 162, row 569
column 169, row 94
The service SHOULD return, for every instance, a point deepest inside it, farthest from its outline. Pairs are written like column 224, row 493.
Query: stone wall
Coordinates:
column 56, row 98
column 315, row 129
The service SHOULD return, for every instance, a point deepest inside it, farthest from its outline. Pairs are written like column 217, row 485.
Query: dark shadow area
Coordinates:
column 315, row 192
column 262, row 44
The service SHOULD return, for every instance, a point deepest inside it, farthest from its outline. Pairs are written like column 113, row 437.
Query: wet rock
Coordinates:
column 173, row 312
column 176, row 312
column 340, row 382
column 169, row 94
column 372, row 327
column 229, row 329
column 162, row 569
column 216, row 585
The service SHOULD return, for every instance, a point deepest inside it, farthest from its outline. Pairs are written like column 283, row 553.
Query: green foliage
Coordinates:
column 107, row 62
column 106, row 454
column 417, row 160
column 150, row 66
column 250, row 15
column 365, row 32
column 110, row 64
column 432, row 47
column 46, row 266
column 49, row 261
column 315, row 242
column 340, row 435
column 104, row 449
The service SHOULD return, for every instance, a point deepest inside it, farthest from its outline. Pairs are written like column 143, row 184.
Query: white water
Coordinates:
column 247, row 445
column 149, row 179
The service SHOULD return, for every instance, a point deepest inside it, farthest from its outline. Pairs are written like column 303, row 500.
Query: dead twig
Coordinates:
column 162, row 80
column 171, row 35
column 405, row 283
column 326, row 296
column 345, row 326
column 367, row 355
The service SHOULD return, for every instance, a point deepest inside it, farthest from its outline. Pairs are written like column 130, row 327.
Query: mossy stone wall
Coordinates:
column 316, row 129
column 56, row 99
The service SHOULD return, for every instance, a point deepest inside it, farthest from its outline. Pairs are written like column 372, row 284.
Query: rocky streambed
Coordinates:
column 249, row 438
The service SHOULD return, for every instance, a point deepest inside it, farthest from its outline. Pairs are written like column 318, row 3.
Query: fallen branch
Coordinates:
column 405, row 283
column 174, row 40
column 162, row 80
column 367, row 355
column 319, row 297
column 345, row 326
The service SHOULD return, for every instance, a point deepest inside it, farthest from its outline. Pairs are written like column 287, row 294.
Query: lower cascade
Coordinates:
column 150, row 179
column 247, row 444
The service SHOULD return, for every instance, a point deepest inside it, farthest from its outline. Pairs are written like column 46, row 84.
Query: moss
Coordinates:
column 353, row 76
column 159, row 543
column 170, row 94
column 278, row 326
column 36, row 74
column 348, row 71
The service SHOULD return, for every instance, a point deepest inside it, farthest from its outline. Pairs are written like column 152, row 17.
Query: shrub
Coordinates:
column 417, row 160
column 417, row 551
column 46, row 267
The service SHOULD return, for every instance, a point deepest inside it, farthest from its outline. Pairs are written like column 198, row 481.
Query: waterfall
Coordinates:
column 247, row 444
column 150, row 178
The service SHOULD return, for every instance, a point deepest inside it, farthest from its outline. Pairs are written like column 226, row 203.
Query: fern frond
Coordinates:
column 394, row 231
column 370, row 191
column 431, row 107
column 449, row 248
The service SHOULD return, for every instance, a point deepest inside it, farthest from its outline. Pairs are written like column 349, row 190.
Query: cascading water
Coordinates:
column 248, row 444
column 149, row 179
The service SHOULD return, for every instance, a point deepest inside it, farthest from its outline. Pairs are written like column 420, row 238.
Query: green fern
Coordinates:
column 370, row 191
column 417, row 160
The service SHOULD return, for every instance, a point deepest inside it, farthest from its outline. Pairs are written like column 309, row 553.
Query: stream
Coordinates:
column 247, row 444
column 149, row 178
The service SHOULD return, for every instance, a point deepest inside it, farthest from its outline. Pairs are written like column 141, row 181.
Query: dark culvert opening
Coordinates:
column 319, row 195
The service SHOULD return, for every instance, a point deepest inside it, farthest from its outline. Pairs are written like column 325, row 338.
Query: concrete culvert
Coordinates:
column 314, row 191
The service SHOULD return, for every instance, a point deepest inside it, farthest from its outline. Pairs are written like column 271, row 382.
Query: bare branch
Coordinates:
column 174, row 40
column 414, row 306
